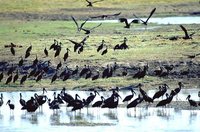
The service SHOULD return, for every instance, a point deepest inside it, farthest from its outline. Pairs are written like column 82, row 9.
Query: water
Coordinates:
column 162, row 20
column 121, row 119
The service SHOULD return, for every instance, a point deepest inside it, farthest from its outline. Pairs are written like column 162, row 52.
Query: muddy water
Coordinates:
column 121, row 119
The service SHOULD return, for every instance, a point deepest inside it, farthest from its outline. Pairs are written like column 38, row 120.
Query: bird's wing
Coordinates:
column 96, row 26
column 82, row 24
column 116, row 14
column 87, row 1
column 123, row 20
column 151, row 14
column 97, row 16
column 138, row 18
column 73, row 41
column 78, row 28
column 97, row 1
column 185, row 31
column 84, row 39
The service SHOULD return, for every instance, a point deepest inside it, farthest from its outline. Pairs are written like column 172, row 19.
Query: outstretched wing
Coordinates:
column 73, row 41
column 82, row 24
column 75, row 23
column 87, row 1
column 151, row 14
column 97, row 1
column 116, row 14
column 84, row 39
column 96, row 26
column 123, row 20
column 185, row 31
column 138, row 18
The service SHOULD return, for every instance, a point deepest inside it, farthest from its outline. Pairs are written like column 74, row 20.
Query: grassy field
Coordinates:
column 145, row 46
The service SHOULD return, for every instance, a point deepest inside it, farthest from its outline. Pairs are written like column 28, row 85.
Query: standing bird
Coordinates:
column 96, row 76
column 12, row 50
column 55, row 76
column 1, row 76
column 146, row 22
column 16, row 77
column 21, row 61
column 187, row 36
column 91, row 98
column 104, row 51
column 22, row 101
column 100, row 47
column 46, row 51
column 98, row 103
column 90, row 4
column 192, row 102
column 28, row 51
column 9, row 79
column 11, row 106
column 127, row 24
column 177, row 90
column 135, row 102
column 161, row 92
column 23, row 79
column 59, row 65
column 66, row 55
column 129, row 97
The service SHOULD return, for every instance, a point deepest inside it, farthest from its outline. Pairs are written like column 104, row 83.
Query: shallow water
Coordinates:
column 121, row 119
column 162, row 20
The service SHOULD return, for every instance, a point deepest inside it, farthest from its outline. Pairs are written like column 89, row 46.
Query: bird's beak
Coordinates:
column 97, row 93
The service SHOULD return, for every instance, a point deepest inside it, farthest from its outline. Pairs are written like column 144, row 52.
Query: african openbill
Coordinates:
column 125, row 20
column 53, row 45
column 99, row 103
column 166, row 101
column 21, row 61
column 66, row 55
column 84, row 71
column 46, row 52
column 31, row 105
column 55, row 76
column 100, row 47
column 129, row 97
column 88, row 74
column 135, row 102
column 75, row 71
column 59, row 65
column 187, row 36
column 22, row 101
column 146, row 22
column 16, row 76
column 192, row 102
column 23, row 79
column 141, row 74
column 66, row 97
column 9, row 79
column 90, row 4
column 144, row 94
column 12, row 50
column 91, row 98
column 39, row 77
column 161, row 92
column 177, row 90
column 111, row 102
column 11, row 106
column 96, row 76
column 104, row 51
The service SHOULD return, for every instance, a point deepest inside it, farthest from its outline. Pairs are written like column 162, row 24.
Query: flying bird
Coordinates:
column 90, row 4
column 187, row 36
column 79, row 28
column 145, row 22
column 106, row 16
column 88, row 31
column 127, row 24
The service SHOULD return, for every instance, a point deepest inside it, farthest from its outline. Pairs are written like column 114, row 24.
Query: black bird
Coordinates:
column 192, row 102
column 53, row 45
column 167, row 100
column 59, row 65
column 144, row 94
column 98, row 103
column 105, row 73
column 158, row 72
column 21, row 62
column 79, row 28
column 46, row 51
column 66, row 55
column 91, row 98
column 10, row 71
column 100, row 47
column 9, row 79
column 135, row 102
column 127, row 24
column 58, row 50
column 124, row 45
column 28, row 51
column 161, row 92
column 39, row 77
column 31, row 105
column 66, row 97
column 12, row 50
column 111, row 102
column 96, row 76
column 1, row 100
column 27, row 54
column 104, row 51
column 32, row 73
column 141, row 74
column 75, row 71
column 35, row 62
column 22, row 101
column 1, row 76
column 88, row 31
column 54, row 104
column 177, row 90
column 66, row 75
column 90, row 4
column 16, row 77
column 129, row 97
column 88, row 74
column 187, row 36
column 106, row 16
column 192, row 56
column 54, row 77
column 76, row 103
column 11, row 106
column 84, row 71
column 23, row 79
column 145, row 22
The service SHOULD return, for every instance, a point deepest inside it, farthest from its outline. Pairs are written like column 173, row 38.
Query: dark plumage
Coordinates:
column 98, row 103
column 11, row 106
column 191, row 102
column 127, row 24
column 23, row 79
column 135, row 102
column 187, row 36
column 129, row 97
column 66, row 55
column 90, row 4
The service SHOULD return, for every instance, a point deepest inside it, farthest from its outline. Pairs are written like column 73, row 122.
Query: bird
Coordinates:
column 53, row 45
column 28, row 51
column 1, row 100
column 100, row 47
column 104, row 51
column 146, row 22
column 35, row 61
column 84, row 71
column 79, row 28
column 88, row 74
column 177, row 90
column 32, row 72
column 90, row 4
column 16, row 77
column 39, row 77
column 88, row 31
column 95, row 77
column 127, row 24
column 192, row 56
column 106, row 16
column 75, row 71
column 121, row 46
column 141, row 74
column 166, row 101
column 91, row 98
column 31, row 105
column 99, row 103
column 21, row 61
column 9, row 79
column 11, row 106
column 23, row 79
column 161, row 92
column 65, row 96
column 66, row 55
column 135, row 102
column 12, row 50
column 58, row 65
column 1, row 76
column 54, row 77
column 191, row 102
column 46, row 51
column 144, row 94
column 111, row 102
column 187, row 36
column 22, row 101
column 58, row 50
column 129, row 97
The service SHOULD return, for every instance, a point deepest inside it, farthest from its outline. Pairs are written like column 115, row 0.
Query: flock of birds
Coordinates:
column 111, row 102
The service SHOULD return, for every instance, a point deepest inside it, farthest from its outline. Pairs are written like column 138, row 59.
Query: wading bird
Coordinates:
column 191, row 102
